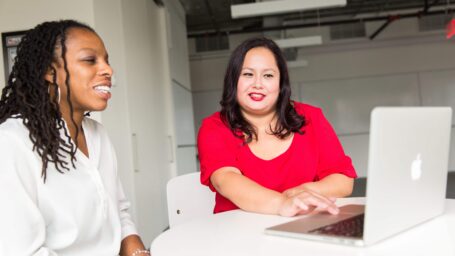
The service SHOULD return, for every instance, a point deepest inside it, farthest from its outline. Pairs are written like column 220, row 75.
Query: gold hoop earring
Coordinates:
column 58, row 92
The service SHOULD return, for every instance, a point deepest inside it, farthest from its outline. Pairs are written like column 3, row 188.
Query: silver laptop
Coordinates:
column 407, row 179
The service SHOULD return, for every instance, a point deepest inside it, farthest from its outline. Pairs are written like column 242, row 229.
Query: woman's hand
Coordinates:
column 299, row 201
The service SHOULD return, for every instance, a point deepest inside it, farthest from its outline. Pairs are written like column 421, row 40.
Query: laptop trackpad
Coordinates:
column 317, row 220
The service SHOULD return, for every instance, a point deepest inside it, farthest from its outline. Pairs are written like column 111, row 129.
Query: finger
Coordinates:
column 322, row 198
column 315, row 201
column 300, row 203
column 333, row 210
column 329, row 209
column 321, row 204
column 292, row 207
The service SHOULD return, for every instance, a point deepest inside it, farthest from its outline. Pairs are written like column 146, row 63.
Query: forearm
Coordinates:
column 132, row 244
column 245, row 193
column 334, row 185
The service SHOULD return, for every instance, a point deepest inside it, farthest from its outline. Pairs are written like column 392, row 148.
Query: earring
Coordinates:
column 58, row 92
column 58, row 96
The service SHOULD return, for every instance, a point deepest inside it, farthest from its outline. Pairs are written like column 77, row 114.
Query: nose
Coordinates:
column 106, row 70
column 257, row 83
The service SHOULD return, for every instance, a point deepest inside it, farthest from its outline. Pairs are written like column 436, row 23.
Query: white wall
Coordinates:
column 146, row 63
column 18, row 15
column 183, row 136
column 348, row 78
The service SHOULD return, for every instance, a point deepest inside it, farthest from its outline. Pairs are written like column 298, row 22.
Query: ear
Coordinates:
column 49, row 76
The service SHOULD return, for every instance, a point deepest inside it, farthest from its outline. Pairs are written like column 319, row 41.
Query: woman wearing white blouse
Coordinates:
column 59, row 187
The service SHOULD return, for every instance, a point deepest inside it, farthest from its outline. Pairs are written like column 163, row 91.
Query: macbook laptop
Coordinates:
column 407, row 179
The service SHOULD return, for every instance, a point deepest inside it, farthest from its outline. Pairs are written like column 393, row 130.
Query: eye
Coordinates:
column 248, row 74
column 90, row 60
column 268, row 76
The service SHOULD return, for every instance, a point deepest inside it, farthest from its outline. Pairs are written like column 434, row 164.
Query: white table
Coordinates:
column 241, row 233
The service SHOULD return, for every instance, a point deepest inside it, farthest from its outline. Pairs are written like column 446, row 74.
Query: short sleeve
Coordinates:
column 217, row 148
column 332, row 158
column 23, row 229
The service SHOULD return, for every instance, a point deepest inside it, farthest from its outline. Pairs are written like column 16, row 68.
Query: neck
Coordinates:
column 261, row 122
column 78, row 116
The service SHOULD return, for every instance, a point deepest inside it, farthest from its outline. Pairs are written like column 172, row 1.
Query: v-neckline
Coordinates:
column 276, row 157
column 79, row 152
column 87, row 142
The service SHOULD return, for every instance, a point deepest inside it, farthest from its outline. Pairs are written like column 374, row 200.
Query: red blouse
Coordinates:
column 310, row 157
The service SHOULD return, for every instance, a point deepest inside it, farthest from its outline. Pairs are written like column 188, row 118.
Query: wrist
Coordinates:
column 281, row 201
column 141, row 252
column 295, row 190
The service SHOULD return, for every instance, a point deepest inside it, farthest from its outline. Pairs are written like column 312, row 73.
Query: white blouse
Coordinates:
column 80, row 212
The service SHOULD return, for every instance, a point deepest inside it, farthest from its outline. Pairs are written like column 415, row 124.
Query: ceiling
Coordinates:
column 211, row 17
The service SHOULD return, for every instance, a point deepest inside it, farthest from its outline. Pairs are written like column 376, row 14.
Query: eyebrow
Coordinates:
column 88, row 49
column 267, row 69
column 93, row 50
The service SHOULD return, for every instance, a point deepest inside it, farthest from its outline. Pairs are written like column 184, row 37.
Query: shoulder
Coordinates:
column 13, row 125
column 213, row 123
column 213, row 127
column 13, row 129
column 213, row 120
column 307, row 110
column 16, row 148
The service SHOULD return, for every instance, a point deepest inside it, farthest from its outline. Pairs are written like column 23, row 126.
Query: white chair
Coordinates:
column 188, row 199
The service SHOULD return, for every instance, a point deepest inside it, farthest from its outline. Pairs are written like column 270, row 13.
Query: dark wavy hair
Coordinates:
column 27, row 93
column 288, row 120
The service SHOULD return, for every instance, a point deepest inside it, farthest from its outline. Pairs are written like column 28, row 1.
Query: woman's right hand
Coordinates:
column 305, row 202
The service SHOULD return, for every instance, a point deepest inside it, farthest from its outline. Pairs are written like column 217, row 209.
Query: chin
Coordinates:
column 98, row 108
column 260, row 111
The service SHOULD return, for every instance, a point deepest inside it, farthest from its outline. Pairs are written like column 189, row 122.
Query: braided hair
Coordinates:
column 27, row 95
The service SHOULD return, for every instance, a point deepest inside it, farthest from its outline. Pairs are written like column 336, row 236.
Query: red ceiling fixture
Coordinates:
column 450, row 30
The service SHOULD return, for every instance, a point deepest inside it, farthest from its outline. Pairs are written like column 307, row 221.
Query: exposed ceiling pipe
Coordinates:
column 315, row 24
column 428, row 6
column 393, row 18
column 383, row 26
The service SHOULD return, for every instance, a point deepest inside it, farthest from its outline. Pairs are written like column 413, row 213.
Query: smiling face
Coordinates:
column 258, row 86
column 89, row 70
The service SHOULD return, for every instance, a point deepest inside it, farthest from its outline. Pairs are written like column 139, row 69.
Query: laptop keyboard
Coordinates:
column 352, row 227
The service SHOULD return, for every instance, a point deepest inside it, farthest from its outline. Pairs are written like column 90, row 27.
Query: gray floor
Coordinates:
column 360, row 186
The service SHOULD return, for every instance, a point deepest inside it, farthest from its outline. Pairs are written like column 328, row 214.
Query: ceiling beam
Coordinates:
column 298, row 41
column 281, row 6
column 316, row 24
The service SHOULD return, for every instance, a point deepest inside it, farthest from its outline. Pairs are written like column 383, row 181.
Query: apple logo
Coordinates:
column 416, row 168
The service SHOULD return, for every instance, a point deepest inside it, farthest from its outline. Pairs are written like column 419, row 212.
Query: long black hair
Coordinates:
column 288, row 120
column 27, row 93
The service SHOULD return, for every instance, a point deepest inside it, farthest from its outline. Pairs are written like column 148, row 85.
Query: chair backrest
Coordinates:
column 188, row 199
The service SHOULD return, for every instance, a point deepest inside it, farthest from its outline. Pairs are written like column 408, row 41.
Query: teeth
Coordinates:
column 256, row 94
column 103, row 88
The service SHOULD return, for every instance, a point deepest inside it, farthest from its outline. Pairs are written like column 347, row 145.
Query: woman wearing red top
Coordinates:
column 264, row 153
